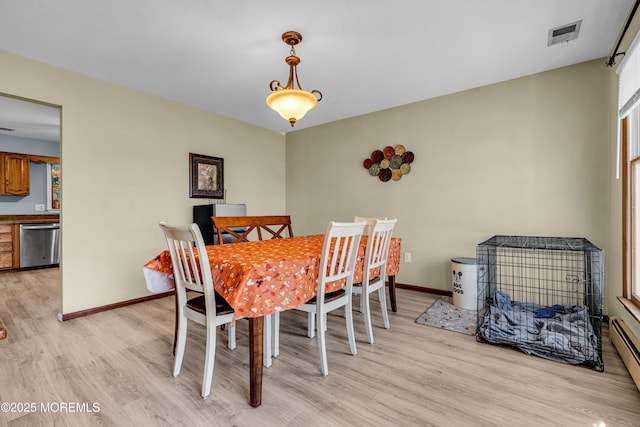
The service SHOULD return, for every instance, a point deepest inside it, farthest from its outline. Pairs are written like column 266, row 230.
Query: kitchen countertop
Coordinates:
column 12, row 219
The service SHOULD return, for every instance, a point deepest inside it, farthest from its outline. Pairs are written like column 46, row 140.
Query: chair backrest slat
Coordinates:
column 190, row 271
column 339, row 252
column 377, row 250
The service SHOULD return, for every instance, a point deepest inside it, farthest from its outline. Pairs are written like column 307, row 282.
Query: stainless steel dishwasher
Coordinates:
column 39, row 244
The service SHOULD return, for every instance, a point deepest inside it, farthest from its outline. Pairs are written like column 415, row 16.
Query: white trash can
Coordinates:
column 465, row 279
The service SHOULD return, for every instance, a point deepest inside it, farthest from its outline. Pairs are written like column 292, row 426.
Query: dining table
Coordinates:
column 260, row 278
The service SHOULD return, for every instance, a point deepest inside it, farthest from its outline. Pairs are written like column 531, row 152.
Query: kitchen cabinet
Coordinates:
column 10, row 236
column 14, row 174
column 8, row 246
column 53, row 187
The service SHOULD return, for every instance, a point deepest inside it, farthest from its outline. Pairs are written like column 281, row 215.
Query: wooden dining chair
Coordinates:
column 266, row 227
column 193, row 273
column 370, row 222
column 374, row 272
column 337, row 262
column 240, row 227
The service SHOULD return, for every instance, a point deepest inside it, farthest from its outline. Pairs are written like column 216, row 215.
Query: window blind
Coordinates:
column 629, row 79
column 628, row 96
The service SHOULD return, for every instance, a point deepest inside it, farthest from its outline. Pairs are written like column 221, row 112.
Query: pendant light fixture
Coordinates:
column 291, row 103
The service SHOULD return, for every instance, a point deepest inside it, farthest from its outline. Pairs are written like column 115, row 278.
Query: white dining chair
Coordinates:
column 375, row 260
column 371, row 221
column 193, row 273
column 337, row 262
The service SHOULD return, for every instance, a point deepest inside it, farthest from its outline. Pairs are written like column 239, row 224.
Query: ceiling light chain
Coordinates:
column 291, row 103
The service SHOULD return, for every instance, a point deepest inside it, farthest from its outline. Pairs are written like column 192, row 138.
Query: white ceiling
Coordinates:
column 363, row 55
column 29, row 120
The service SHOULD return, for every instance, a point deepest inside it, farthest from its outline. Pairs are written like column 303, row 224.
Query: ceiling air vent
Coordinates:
column 564, row 33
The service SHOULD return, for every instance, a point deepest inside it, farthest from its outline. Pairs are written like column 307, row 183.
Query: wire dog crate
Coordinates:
column 542, row 295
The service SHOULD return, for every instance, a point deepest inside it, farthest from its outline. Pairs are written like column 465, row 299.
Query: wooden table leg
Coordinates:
column 256, row 325
column 392, row 292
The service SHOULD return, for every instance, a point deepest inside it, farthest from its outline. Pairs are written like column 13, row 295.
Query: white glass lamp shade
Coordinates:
column 291, row 104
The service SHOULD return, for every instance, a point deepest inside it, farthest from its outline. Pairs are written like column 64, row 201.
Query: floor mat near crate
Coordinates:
column 444, row 315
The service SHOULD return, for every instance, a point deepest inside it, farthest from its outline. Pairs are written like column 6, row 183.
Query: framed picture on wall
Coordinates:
column 206, row 177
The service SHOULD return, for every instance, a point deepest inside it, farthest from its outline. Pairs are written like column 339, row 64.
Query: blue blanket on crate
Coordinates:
column 560, row 333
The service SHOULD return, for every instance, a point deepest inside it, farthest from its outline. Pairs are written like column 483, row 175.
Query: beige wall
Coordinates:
column 524, row 157
column 520, row 157
column 125, row 168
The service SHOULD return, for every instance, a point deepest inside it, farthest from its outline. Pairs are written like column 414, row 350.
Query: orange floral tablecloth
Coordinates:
column 263, row 277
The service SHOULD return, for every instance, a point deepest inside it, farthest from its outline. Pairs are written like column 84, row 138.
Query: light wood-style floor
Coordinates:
column 412, row 376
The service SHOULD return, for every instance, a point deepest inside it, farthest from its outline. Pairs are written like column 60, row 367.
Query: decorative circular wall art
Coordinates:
column 389, row 163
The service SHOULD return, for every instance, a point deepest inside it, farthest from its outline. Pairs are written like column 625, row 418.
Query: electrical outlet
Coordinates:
column 40, row 208
column 407, row 257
